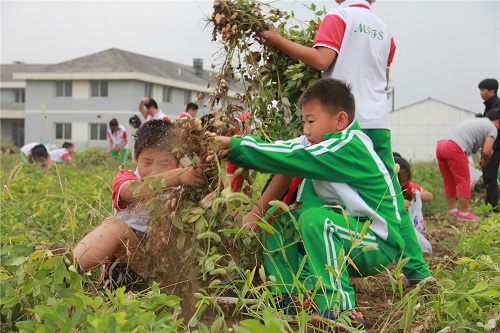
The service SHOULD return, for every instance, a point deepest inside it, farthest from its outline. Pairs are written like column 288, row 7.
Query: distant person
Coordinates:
column 409, row 188
column 63, row 155
column 190, row 113
column 135, row 122
column 488, row 89
column 25, row 151
column 149, row 109
column 35, row 153
column 465, row 138
column 118, row 141
column 7, row 151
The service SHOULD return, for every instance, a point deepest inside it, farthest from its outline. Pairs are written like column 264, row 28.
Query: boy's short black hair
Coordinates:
column 39, row 154
column 191, row 106
column 113, row 122
column 205, row 122
column 67, row 145
column 490, row 84
column 493, row 114
column 154, row 134
column 151, row 103
column 332, row 93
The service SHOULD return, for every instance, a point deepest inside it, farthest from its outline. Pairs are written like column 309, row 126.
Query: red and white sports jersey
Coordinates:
column 118, row 137
column 185, row 115
column 135, row 215
column 365, row 49
column 157, row 116
column 59, row 155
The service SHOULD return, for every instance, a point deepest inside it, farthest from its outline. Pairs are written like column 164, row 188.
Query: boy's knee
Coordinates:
column 308, row 218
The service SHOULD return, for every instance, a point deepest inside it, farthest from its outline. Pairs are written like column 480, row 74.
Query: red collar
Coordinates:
column 359, row 5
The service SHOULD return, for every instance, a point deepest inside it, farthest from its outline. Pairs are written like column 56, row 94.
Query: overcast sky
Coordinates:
column 444, row 48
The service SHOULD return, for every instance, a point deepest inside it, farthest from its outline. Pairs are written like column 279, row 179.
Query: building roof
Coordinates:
column 435, row 100
column 7, row 71
column 119, row 65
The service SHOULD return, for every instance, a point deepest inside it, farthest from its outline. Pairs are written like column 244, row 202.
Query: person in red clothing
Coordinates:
column 149, row 109
column 409, row 188
column 120, row 237
column 191, row 112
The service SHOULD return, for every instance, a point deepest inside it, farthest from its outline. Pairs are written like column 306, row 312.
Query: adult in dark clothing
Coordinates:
column 488, row 89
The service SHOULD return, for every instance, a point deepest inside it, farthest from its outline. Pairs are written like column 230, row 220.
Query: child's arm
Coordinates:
column 120, row 147
column 275, row 191
column 319, row 58
column 110, row 145
column 142, row 109
column 425, row 195
column 174, row 177
column 486, row 151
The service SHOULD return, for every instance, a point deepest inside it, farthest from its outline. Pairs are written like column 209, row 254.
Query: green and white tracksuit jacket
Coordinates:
column 343, row 170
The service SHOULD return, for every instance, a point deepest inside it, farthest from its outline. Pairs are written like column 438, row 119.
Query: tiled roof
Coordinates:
column 119, row 61
column 6, row 70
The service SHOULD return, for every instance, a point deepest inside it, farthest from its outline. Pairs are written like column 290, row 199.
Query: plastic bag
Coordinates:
column 417, row 218
column 475, row 174
column 415, row 212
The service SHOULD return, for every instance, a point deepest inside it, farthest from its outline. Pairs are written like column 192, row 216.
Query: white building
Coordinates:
column 416, row 128
column 75, row 100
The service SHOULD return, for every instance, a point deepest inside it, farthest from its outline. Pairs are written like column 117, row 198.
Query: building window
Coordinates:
column 99, row 88
column 19, row 96
column 148, row 91
column 63, row 131
column 187, row 97
column 98, row 132
column 167, row 94
column 64, row 88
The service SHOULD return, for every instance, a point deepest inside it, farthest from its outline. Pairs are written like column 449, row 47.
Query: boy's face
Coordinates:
column 318, row 121
column 113, row 128
column 193, row 112
column 486, row 93
column 152, row 162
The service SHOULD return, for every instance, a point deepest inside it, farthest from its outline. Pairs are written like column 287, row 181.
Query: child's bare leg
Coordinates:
column 113, row 237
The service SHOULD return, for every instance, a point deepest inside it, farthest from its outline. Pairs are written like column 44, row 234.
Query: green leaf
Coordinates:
column 479, row 287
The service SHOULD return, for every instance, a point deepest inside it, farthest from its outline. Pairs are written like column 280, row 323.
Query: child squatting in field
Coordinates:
column 339, row 167
column 120, row 236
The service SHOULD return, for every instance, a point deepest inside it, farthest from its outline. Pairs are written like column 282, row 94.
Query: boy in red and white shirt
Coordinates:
column 191, row 112
column 118, row 141
column 63, row 155
column 149, row 109
column 120, row 236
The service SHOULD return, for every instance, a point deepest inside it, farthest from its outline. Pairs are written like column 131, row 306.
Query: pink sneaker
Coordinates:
column 453, row 212
column 469, row 216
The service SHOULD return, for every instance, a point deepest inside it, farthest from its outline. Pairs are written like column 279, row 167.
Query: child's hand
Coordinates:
column 222, row 145
column 407, row 204
column 269, row 37
column 191, row 176
column 248, row 223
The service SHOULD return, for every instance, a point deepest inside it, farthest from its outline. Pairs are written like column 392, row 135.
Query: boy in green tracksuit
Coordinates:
column 339, row 167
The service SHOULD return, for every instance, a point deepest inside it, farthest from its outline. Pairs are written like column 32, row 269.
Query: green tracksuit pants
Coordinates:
column 417, row 268
column 328, row 238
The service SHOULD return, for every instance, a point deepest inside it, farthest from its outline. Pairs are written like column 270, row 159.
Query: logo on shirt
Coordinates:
column 373, row 33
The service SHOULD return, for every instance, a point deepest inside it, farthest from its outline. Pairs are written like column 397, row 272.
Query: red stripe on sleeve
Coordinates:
column 391, row 53
column 121, row 179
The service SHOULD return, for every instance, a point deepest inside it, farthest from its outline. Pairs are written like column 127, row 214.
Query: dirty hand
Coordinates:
column 222, row 145
column 248, row 223
column 407, row 204
column 268, row 37
column 191, row 176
